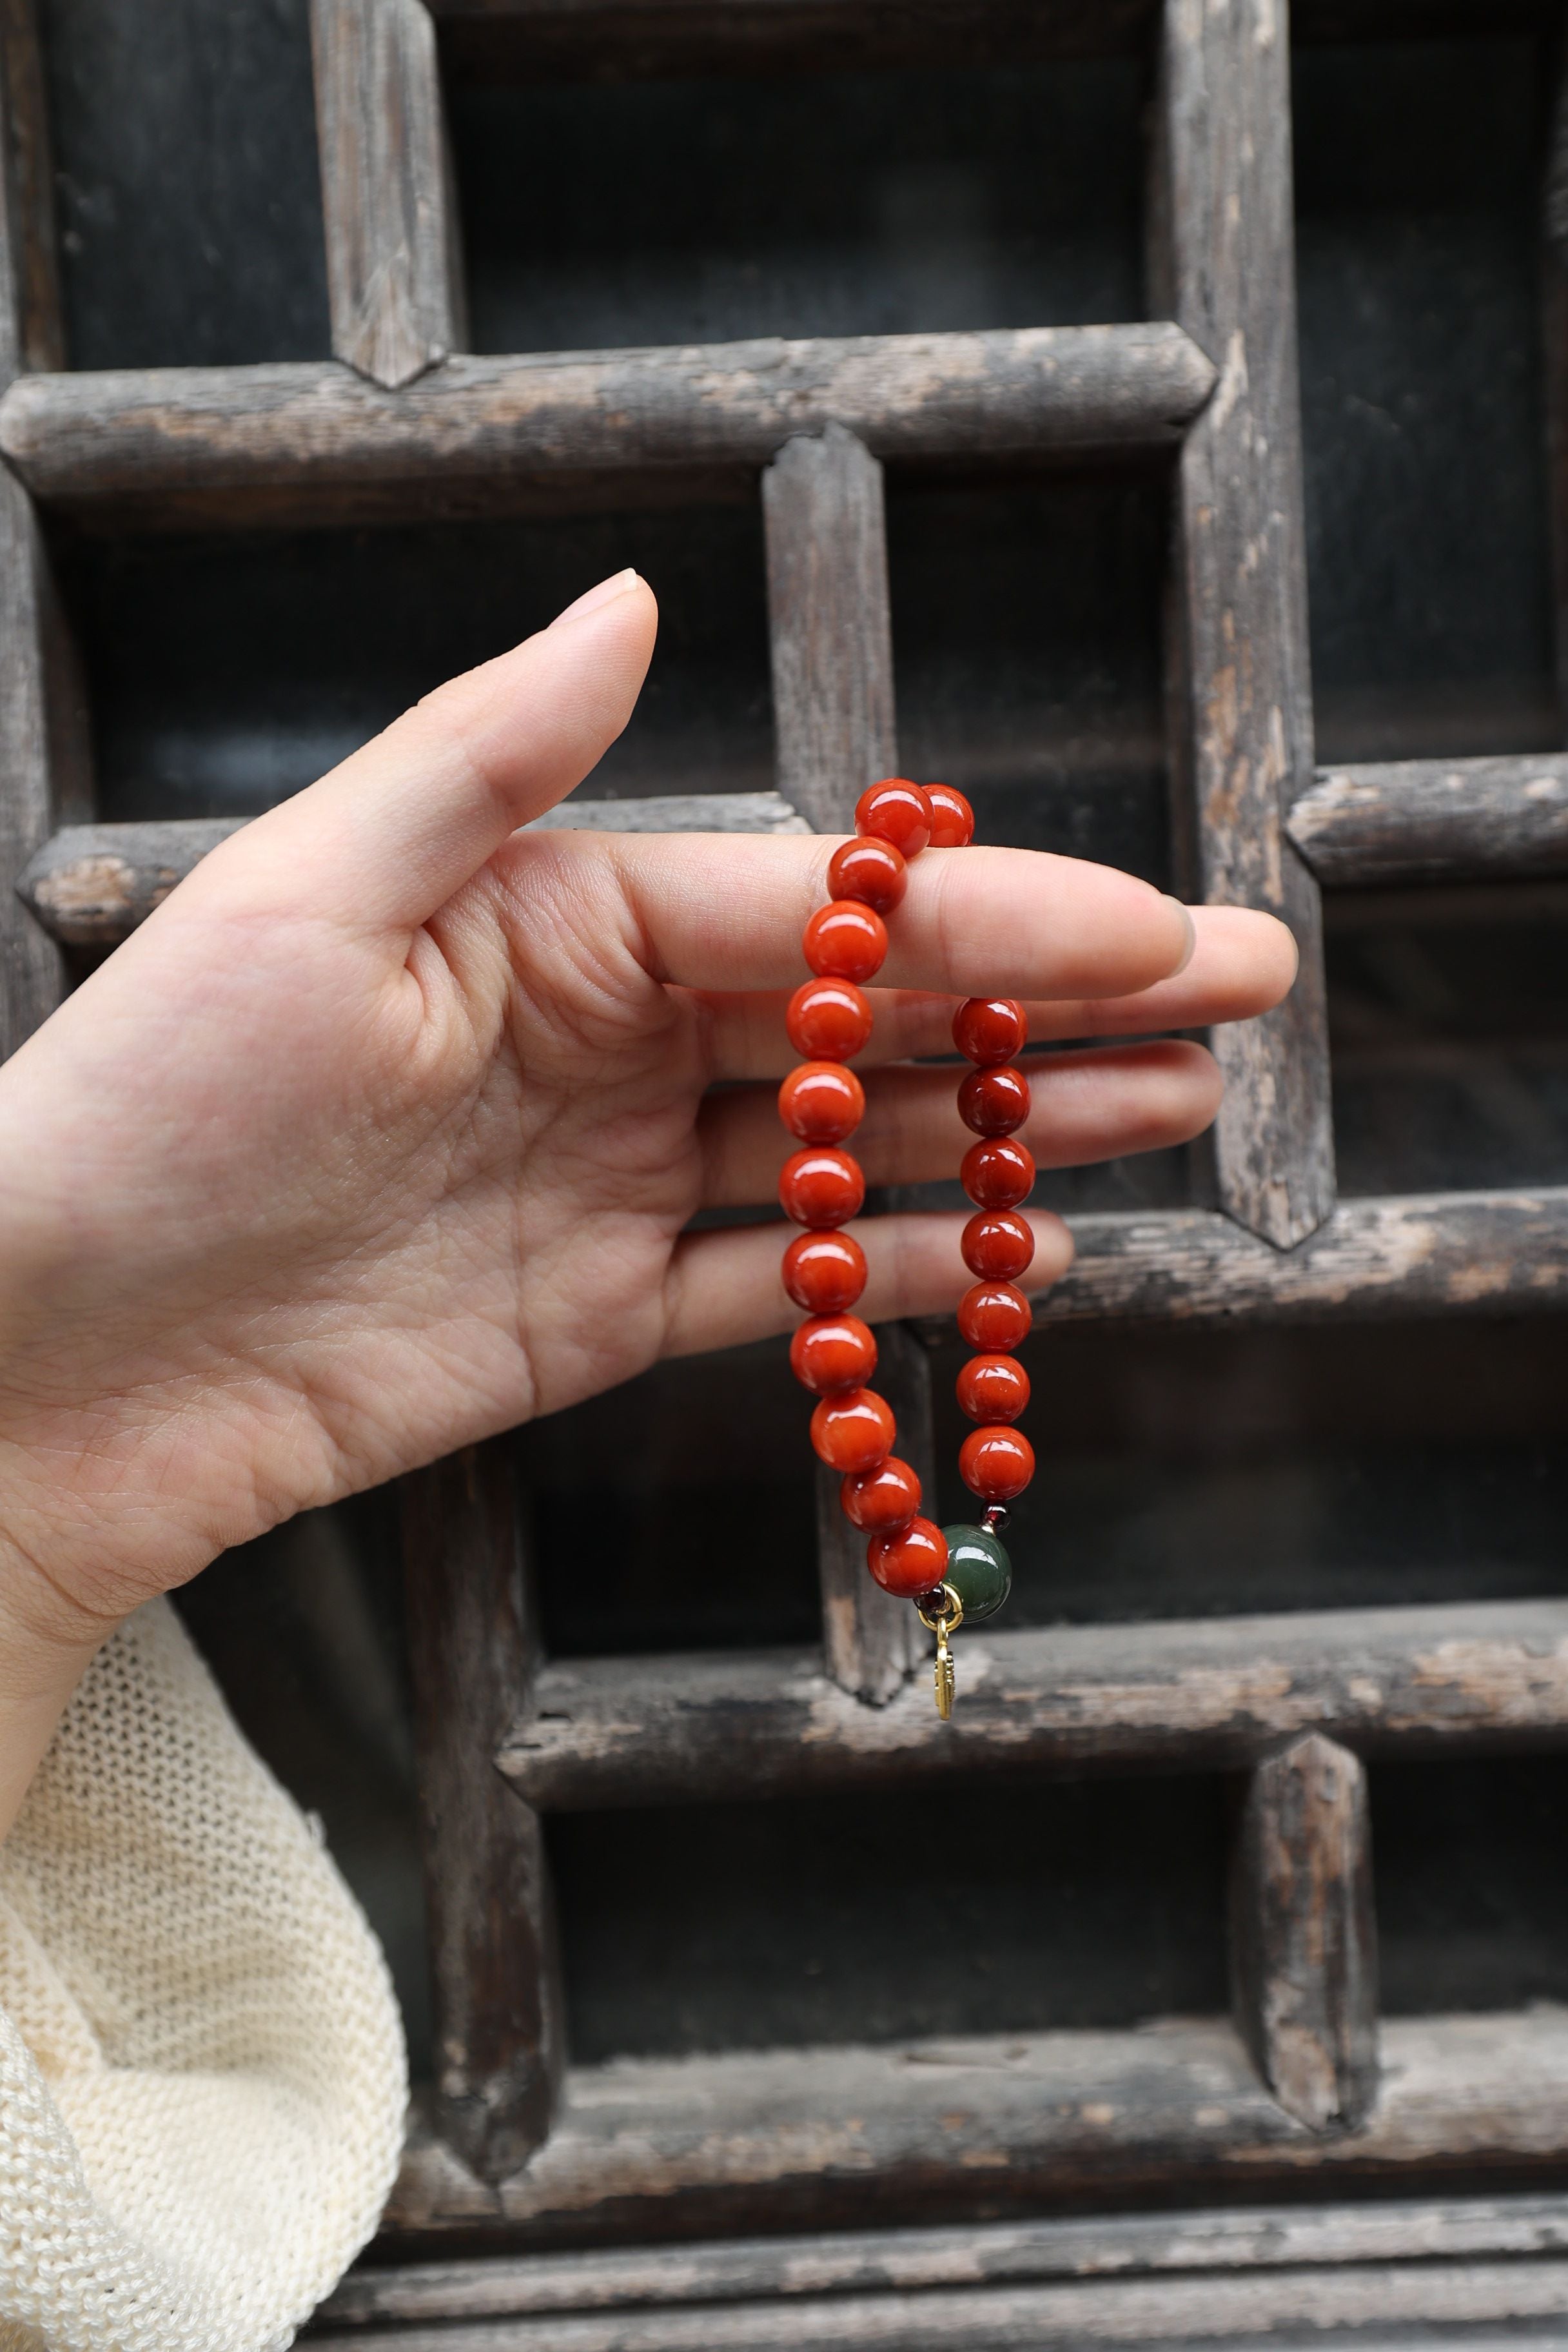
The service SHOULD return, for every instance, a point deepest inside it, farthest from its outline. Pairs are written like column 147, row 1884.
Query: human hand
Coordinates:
column 383, row 1133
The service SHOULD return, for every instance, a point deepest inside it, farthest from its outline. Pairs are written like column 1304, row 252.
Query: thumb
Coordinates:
column 388, row 837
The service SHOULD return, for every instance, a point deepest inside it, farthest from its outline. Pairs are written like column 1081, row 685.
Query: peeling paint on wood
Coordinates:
column 1435, row 820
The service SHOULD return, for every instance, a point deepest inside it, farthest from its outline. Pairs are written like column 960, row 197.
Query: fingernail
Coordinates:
column 1192, row 935
column 605, row 593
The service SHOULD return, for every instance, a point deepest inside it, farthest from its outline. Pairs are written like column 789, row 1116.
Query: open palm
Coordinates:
column 384, row 1132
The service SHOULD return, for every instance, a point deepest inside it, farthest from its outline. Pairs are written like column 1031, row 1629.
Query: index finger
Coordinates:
column 726, row 911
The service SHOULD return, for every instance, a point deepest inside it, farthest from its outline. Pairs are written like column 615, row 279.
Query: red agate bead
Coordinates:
column 911, row 1561
column 832, row 1353
column 896, row 811
column 992, row 1388
column 990, row 1029
column 853, row 1431
column 820, row 1186
column 879, row 1500
column 870, row 870
column 998, row 1245
column 828, row 1020
column 825, row 1272
column 996, row 1464
column 999, row 1173
column 993, row 1316
column 994, row 1102
column 845, row 941
column 951, row 818
column 822, row 1102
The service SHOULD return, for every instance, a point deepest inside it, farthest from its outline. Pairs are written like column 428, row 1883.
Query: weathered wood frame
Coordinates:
column 405, row 428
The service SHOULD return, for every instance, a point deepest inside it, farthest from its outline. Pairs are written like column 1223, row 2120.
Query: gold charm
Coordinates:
column 948, row 1622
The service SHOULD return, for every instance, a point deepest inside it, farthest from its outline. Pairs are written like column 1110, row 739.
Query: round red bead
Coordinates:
column 845, row 941
column 822, row 1102
column 990, row 1029
column 992, row 1388
column 820, row 1186
column 910, row 1562
column 993, row 1316
column 827, row 1020
column 951, row 818
column 996, row 1464
column 879, row 1500
column 896, row 811
column 994, row 1102
column 853, row 1431
column 832, row 1353
column 998, row 1244
column 998, row 1175
column 870, row 870
column 825, row 1273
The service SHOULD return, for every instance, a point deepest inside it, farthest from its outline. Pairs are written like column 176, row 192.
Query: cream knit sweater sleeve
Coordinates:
column 202, row 2079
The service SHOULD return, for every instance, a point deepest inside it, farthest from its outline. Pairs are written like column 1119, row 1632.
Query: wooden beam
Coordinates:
column 89, row 885
column 1258, row 2240
column 831, row 642
column 311, row 441
column 1303, row 1933
column 1189, row 1695
column 1435, row 820
column 45, row 761
column 1225, row 265
column 949, row 2131
column 394, row 272
column 494, row 1970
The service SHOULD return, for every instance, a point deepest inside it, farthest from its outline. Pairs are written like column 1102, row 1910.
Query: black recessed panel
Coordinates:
column 705, row 211
column 188, row 193
column 1186, row 1474
column 226, row 673
column 1472, row 1899
column 1001, row 1908
column 1449, row 1027
column 1418, row 185
column 677, row 1512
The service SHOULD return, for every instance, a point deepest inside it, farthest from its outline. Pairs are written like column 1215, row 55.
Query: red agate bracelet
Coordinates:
column 952, row 1574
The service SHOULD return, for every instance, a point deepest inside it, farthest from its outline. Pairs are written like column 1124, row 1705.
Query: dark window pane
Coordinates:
column 1472, row 1902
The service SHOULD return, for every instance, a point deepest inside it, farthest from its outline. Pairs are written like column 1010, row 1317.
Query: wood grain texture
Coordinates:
column 30, row 191
column 1224, row 254
column 949, row 2131
column 308, row 441
column 1392, row 2301
column 1304, row 1934
column 495, row 1977
column 395, row 278
column 90, row 885
column 1435, row 820
column 914, row 2262
column 1186, row 1695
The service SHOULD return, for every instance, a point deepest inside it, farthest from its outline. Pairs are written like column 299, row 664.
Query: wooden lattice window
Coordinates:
column 791, row 462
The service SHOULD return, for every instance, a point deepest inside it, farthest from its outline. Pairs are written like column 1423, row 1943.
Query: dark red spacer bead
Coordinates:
column 992, row 1388
column 825, row 1273
column 853, row 1431
column 993, row 1316
column 879, row 1500
column 990, row 1030
column 998, row 1244
column 994, row 1102
column 822, row 1102
column 870, row 870
column 828, row 1020
column 998, row 1175
column 996, row 1464
column 832, row 1353
column 951, row 818
column 845, row 941
column 820, row 1186
column 910, row 1562
column 896, row 811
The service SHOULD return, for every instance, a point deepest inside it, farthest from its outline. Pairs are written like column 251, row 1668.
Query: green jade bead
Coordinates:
column 978, row 1571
